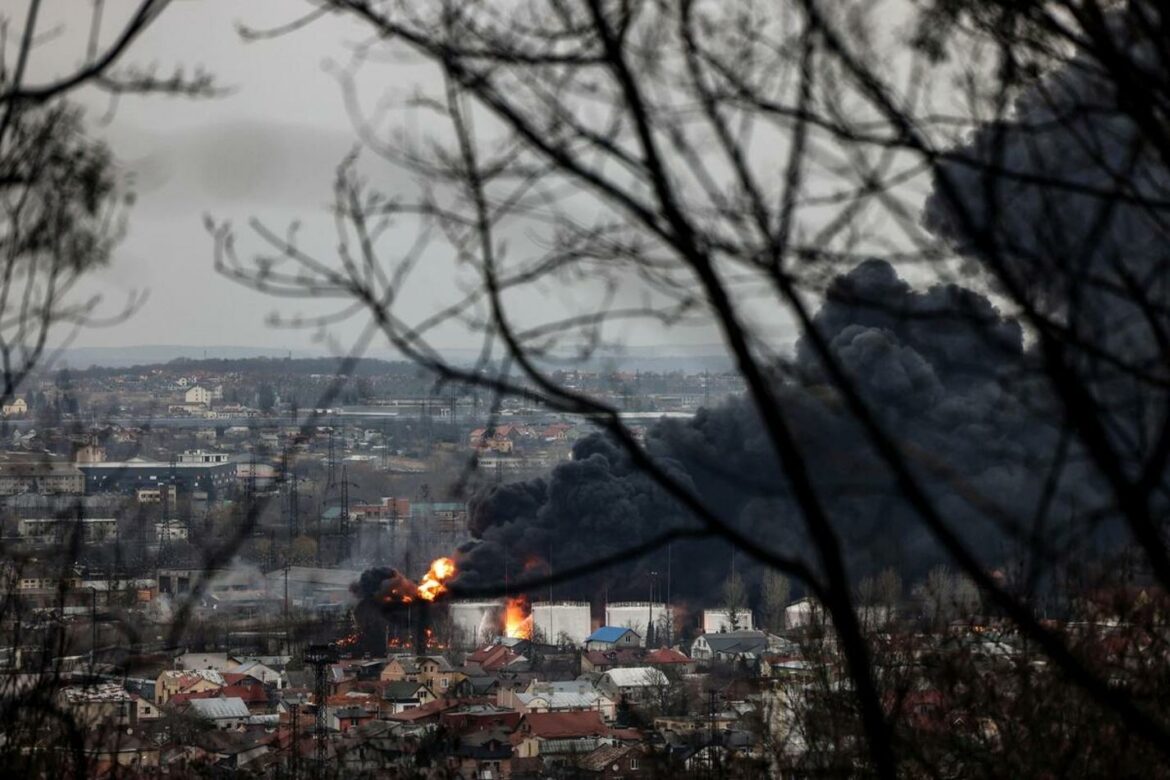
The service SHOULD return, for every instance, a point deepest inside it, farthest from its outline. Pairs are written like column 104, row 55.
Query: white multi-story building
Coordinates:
column 54, row 529
column 202, row 456
column 198, row 395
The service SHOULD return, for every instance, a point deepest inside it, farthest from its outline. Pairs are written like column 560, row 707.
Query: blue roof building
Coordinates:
column 611, row 637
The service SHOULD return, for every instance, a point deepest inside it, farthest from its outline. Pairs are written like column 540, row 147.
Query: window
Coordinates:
column 443, row 683
column 633, row 765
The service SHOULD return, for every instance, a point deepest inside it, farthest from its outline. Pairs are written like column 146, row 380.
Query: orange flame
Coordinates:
column 432, row 582
column 518, row 618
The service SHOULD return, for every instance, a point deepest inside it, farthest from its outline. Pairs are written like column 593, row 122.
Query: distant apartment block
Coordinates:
column 129, row 476
column 40, row 476
column 202, row 456
column 17, row 407
column 49, row 530
column 198, row 395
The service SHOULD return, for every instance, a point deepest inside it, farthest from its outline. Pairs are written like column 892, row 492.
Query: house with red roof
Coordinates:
column 553, row 733
column 666, row 658
column 493, row 658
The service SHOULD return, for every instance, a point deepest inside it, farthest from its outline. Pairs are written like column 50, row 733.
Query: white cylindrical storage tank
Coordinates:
column 717, row 620
column 557, row 622
column 637, row 615
column 475, row 622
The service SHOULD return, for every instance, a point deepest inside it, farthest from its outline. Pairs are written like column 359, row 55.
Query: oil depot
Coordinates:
column 475, row 622
column 558, row 622
column 636, row 615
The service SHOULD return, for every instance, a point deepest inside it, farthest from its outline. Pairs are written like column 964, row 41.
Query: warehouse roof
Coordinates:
column 220, row 709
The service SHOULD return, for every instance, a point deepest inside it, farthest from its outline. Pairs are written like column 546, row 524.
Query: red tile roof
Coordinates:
column 666, row 655
column 563, row 725
column 251, row 694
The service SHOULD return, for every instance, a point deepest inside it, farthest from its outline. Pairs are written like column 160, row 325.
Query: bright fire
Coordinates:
column 518, row 618
column 431, row 584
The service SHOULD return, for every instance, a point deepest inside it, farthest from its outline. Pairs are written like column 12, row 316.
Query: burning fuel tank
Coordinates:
column 562, row 622
column 475, row 622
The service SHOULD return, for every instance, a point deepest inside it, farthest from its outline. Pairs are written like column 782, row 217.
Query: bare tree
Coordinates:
column 735, row 599
column 774, row 598
column 670, row 162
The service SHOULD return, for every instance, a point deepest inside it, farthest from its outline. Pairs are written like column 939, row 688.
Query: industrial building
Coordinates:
column 717, row 620
column 475, row 622
column 59, row 529
column 647, row 618
column 39, row 476
column 562, row 622
column 128, row 476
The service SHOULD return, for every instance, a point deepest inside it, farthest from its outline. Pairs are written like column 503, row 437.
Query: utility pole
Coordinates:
column 295, row 741
column 287, row 644
column 343, row 521
column 320, row 657
column 92, row 627
column 650, row 610
column 669, row 609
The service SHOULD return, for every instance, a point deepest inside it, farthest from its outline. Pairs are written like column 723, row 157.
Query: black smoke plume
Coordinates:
column 388, row 611
column 1058, row 210
column 942, row 367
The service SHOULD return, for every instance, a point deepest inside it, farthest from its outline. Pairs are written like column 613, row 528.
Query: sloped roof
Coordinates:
column 609, row 634
column 220, row 709
column 249, row 694
column 562, row 725
column 561, row 700
column 624, row 656
column 667, row 655
column 603, row 756
column 402, row 690
column 737, row 642
column 636, row 676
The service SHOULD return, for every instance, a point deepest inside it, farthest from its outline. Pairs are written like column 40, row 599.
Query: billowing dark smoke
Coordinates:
column 941, row 367
column 388, row 611
column 1074, row 230
column 384, row 584
column 1077, row 229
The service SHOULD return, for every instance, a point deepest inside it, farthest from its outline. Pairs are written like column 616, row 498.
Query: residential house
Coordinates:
column 603, row 660
column 730, row 646
column 434, row 671
column 668, row 658
column 485, row 754
column 224, row 713
column 611, row 638
column 634, row 683
column 559, row 696
column 170, row 682
column 493, row 658
column 343, row 719
column 102, row 705
column 550, row 734
column 401, row 695
column 614, row 761
column 478, row 685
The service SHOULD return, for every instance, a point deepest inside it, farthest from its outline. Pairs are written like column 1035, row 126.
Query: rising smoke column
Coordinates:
column 1078, row 232
column 941, row 367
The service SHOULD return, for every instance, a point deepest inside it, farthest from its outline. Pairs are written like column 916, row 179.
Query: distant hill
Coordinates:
column 153, row 354
column 655, row 359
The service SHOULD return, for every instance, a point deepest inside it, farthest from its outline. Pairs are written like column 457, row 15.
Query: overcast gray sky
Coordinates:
column 268, row 149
